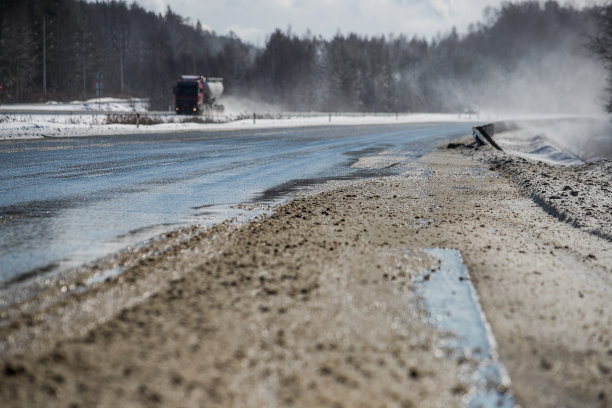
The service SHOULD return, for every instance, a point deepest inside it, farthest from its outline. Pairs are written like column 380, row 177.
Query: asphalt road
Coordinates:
column 66, row 202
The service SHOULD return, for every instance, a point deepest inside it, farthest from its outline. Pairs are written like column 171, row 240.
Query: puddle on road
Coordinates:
column 284, row 190
column 452, row 304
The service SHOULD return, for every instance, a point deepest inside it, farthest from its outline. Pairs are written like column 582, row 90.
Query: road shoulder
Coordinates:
column 315, row 304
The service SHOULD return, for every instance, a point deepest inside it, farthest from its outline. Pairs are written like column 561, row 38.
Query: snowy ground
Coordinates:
column 33, row 121
column 565, row 141
column 35, row 126
column 96, row 104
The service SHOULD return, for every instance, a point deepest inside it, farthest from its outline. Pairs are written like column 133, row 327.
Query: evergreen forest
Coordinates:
column 54, row 50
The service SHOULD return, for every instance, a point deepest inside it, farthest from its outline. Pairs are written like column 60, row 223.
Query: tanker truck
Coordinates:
column 195, row 94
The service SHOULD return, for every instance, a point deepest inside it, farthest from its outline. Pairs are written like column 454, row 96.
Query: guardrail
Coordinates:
column 484, row 134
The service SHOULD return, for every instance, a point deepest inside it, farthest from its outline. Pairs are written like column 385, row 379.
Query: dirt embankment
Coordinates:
column 579, row 195
column 315, row 305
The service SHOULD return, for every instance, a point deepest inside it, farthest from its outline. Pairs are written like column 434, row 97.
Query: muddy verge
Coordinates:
column 315, row 305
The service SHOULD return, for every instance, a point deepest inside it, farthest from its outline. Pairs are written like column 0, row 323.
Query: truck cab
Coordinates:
column 196, row 93
column 189, row 97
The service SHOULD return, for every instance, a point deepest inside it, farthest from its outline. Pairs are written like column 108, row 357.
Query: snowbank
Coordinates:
column 96, row 104
column 565, row 140
column 573, row 187
column 580, row 195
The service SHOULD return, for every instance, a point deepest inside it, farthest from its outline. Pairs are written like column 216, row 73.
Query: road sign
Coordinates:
column 99, row 85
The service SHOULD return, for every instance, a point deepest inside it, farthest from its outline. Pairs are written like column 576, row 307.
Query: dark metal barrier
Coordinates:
column 484, row 134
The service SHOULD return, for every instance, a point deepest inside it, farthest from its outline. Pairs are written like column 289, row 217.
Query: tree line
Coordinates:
column 54, row 50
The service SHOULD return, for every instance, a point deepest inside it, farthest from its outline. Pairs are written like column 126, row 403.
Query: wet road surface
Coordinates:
column 66, row 202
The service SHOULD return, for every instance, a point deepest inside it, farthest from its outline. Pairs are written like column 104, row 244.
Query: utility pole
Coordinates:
column 84, row 78
column 45, row 57
column 99, row 87
column 84, row 56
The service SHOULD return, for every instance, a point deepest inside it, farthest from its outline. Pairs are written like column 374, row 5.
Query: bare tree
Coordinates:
column 601, row 44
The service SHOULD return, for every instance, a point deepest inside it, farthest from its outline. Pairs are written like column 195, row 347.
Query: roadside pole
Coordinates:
column 99, row 87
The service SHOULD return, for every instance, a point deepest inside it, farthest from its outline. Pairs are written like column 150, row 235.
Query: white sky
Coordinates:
column 253, row 20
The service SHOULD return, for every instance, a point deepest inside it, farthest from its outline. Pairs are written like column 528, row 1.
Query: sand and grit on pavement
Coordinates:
column 317, row 303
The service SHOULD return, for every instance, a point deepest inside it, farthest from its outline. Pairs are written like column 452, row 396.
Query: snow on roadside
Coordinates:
column 38, row 125
column 96, row 104
column 580, row 195
column 572, row 191
column 565, row 140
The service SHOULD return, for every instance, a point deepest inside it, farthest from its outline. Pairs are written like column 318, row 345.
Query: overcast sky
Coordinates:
column 253, row 20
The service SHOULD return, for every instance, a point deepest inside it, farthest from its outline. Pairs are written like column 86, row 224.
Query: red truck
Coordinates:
column 195, row 94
